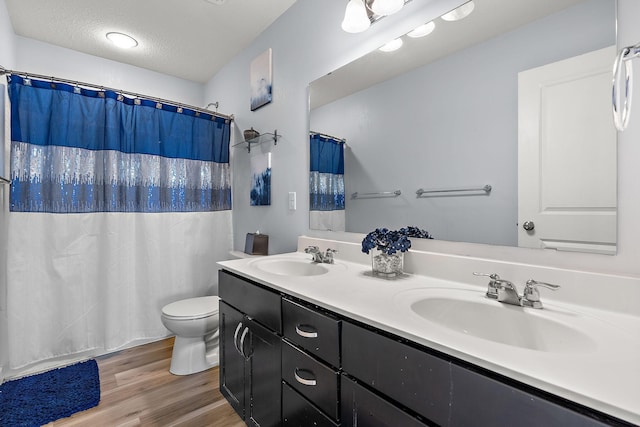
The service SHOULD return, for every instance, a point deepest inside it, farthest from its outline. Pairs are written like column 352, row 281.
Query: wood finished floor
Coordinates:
column 138, row 390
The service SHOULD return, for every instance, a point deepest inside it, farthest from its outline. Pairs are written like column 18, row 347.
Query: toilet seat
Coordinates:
column 192, row 308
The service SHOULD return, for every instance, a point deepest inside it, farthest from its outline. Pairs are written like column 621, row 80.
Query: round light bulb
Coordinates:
column 422, row 30
column 460, row 12
column 386, row 7
column 392, row 45
column 355, row 19
column 122, row 40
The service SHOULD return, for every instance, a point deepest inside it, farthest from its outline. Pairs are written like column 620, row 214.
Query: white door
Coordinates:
column 567, row 155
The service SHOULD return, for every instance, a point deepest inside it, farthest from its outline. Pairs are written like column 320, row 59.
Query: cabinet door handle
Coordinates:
column 235, row 338
column 242, row 337
column 304, row 381
column 312, row 333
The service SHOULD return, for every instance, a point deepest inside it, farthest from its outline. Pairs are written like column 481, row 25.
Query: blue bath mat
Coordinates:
column 42, row 398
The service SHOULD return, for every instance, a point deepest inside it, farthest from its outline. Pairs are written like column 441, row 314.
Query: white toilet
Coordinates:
column 194, row 321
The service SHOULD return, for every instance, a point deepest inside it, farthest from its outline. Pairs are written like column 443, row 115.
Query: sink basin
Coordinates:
column 470, row 313
column 291, row 267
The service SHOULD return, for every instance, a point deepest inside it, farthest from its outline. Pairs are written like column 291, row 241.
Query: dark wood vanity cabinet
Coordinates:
column 439, row 390
column 250, row 350
column 286, row 362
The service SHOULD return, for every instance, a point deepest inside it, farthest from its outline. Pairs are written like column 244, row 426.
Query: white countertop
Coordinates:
column 605, row 377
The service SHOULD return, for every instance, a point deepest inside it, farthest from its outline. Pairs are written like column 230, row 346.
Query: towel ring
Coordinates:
column 622, row 86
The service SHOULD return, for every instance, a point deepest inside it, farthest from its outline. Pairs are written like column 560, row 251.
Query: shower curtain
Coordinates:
column 118, row 207
column 326, row 183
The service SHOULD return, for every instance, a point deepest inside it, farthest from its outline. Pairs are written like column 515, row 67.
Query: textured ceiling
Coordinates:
column 191, row 39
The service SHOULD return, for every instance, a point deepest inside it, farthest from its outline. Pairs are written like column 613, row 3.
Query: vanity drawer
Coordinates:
column 299, row 412
column 316, row 332
column 479, row 400
column 312, row 379
column 411, row 377
column 361, row 407
column 257, row 302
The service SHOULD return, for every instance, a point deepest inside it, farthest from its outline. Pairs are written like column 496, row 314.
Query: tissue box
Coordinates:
column 256, row 244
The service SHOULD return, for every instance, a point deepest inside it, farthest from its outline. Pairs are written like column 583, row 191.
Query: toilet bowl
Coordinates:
column 194, row 321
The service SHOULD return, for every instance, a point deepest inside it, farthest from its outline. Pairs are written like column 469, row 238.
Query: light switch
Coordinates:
column 292, row 200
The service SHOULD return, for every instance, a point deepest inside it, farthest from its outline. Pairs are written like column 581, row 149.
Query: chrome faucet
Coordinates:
column 506, row 292
column 318, row 256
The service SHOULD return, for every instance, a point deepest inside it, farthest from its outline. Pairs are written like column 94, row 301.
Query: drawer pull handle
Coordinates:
column 235, row 338
column 306, row 334
column 304, row 381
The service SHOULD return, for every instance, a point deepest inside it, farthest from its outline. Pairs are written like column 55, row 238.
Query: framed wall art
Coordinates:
column 261, row 80
column 260, row 180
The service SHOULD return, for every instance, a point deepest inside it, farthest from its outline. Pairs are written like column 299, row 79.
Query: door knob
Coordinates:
column 528, row 225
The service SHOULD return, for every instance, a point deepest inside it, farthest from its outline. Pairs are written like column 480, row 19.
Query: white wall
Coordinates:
column 420, row 130
column 7, row 60
column 307, row 43
column 42, row 58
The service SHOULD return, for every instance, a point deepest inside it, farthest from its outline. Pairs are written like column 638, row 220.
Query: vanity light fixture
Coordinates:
column 356, row 19
column 460, row 12
column 386, row 7
column 422, row 30
column 121, row 40
column 392, row 45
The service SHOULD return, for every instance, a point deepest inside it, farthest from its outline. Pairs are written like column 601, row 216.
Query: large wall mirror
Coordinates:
column 509, row 108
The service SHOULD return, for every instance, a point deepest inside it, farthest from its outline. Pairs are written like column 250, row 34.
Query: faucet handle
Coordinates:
column 493, row 276
column 310, row 249
column 531, row 297
column 492, row 289
column 328, row 255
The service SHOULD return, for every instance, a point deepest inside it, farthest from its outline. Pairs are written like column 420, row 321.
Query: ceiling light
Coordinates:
column 392, row 45
column 422, row 30
column 122, row 40
column 459, row 12
column 386, row 7
column 356, row 19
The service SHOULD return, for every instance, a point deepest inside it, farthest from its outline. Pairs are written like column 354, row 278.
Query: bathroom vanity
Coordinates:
column 328, row 345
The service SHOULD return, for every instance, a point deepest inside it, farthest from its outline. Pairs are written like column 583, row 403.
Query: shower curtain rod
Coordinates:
column 329, row 136
column 4, row 71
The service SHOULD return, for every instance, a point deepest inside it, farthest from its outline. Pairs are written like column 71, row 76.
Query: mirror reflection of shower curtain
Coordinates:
column 326, row 183
column 118, row 207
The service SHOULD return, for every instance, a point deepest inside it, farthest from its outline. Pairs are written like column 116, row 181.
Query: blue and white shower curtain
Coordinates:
column 326, row 182
column 77, row 150
column 117, row 207
column 326, row 178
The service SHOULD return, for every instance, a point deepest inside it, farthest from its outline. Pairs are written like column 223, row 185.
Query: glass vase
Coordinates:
column 384, row 265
